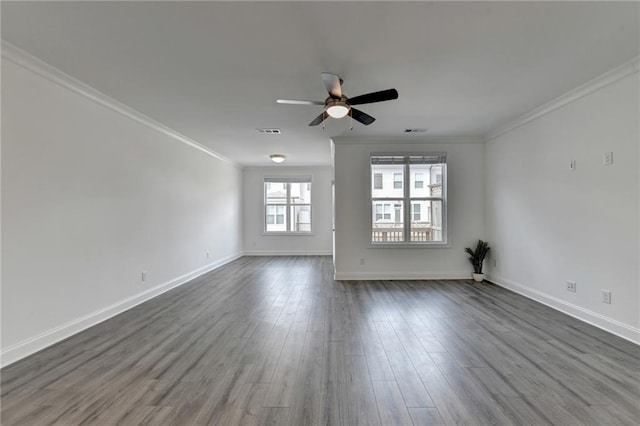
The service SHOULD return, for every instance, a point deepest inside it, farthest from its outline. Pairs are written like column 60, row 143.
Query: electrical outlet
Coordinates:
column 571, row 286
column 361, row 261
column 607, row 159
column 143, row 276
column 207, row 255
column 606, row 296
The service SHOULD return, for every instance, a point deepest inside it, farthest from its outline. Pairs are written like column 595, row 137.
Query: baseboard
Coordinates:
column 362, row 276
column 605, row 323
column 286, row 253
column 43, row 340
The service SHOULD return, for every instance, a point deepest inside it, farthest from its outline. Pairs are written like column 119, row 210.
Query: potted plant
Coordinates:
column 477, row 258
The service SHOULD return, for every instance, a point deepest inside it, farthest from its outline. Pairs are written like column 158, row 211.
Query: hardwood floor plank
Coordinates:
column 409, row 382
column 361, row 401
column 379, row 368
column 391, row 406
column 426, row 417
column 275, row 340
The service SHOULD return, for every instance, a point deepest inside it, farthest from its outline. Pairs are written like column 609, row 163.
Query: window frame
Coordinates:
column 407, row 199
column 288, row 205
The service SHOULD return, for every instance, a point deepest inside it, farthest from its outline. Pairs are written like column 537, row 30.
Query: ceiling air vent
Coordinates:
column 269, row 131
column 415, row 130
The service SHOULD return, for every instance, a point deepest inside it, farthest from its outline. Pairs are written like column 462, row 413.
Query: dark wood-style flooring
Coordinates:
column 277, row 341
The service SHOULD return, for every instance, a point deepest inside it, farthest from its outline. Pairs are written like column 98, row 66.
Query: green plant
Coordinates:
column 478, row 255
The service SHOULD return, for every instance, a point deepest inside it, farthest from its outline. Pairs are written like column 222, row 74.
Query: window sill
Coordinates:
column 409, row 246
column 288, row 234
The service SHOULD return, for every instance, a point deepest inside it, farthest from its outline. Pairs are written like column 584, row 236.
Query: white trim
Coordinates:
column 43, row 340
column 605, row 323
column 43, row 69
column 610, row 77
column 287, row 253
column 426, row 245
column 288, row 234
column 437, row 275
column 386, row 140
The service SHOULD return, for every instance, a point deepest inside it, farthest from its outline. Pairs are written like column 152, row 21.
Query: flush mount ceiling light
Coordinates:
column 277, row 158
column 337, row 108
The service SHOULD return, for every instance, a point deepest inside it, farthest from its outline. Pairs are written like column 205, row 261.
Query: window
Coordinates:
column 419, row 183
column 377, row 180
column 383, row 212
column 287, row 204
column 397, row 180
column 416, row 212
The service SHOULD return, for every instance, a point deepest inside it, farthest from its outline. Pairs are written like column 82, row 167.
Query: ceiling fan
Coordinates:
column 338, row 105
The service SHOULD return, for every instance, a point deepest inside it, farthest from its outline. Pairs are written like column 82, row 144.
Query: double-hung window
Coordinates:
column 413, row 211
column 287, row 204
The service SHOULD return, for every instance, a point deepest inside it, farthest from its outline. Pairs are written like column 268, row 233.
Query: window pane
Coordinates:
column 416, row 211
column 280, row 210
column 426, row 180
column 387, row 188
column 377, row 181
column 428, row 225
column 300, row 193
column 418, row 181
column 276, row 220
column 301, row 218
column 275, row 192
column 397, row 180
column 388, row 223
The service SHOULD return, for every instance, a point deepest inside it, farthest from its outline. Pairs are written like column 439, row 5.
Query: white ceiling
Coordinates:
column 213, row 70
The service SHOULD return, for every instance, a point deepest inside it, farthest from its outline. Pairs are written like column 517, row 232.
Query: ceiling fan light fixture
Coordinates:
column 278, row 158
column 337, row 109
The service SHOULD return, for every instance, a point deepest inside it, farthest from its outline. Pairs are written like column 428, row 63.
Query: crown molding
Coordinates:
column 610, row 77
column 43, row 69
column 384, row 140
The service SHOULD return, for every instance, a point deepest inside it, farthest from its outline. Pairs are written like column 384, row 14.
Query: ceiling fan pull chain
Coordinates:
column 351, row 121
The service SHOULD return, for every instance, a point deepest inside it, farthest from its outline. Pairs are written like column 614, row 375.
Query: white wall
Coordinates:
column 255, row 240
column 90, row 199
column 547, row 224
column 353, row 213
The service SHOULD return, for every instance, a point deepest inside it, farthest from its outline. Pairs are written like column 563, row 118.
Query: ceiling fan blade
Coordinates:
column 319, row 119
column 298, row 102
column 333, row 83
column 362, row 117
column 369, row 98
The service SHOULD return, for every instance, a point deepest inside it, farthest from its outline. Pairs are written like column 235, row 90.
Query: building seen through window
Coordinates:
column 287, row 205
column 408, row 198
